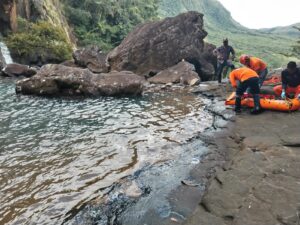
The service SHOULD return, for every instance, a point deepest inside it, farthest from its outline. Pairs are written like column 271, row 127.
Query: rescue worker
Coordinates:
column 256, row 64
column 223, row 53
column 290, row 78
column 247, row 78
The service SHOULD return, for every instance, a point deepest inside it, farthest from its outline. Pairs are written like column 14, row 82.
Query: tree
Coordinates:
column 107, row 22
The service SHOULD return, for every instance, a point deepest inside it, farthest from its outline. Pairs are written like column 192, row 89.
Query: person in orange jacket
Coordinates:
column 290, row 81
column 256, row 64
column 247, row 78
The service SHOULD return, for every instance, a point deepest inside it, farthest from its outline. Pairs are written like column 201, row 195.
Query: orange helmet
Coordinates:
column 244, row 59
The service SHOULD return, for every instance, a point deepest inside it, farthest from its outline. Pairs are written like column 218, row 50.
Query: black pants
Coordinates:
column 220, row 68
column 252, row 83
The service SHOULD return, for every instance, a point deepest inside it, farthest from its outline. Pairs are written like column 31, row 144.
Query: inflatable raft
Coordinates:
column 287, row 105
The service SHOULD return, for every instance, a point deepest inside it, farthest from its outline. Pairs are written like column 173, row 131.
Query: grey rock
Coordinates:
column 60, row 80
column 183, row 73
column 156, row 46
column 17, row 70
column 91, row 58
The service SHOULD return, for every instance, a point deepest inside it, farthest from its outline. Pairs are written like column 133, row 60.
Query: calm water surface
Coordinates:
column 56, row 154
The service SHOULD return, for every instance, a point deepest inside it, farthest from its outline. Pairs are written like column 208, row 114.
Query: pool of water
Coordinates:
column 56, row 154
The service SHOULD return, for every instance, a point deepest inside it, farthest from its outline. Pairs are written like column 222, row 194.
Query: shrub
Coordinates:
column 39, row 41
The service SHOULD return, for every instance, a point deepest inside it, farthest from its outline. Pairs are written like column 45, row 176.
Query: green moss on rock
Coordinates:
column 39, row 43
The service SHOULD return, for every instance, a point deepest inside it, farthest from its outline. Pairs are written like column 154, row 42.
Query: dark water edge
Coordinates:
column 155, row 182
column 163, row 198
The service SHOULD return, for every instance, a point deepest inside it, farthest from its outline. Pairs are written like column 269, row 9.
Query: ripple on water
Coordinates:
column 56, row 154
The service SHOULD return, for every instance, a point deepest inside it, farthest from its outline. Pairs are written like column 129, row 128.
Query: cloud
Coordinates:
column 264, row 13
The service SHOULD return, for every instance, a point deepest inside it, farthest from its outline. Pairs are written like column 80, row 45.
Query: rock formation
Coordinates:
column 158, row 45
column 8, row 15
column 59, row 80
column 91, row 58
column 17, row 70
column 183, row 72
column 33, row 10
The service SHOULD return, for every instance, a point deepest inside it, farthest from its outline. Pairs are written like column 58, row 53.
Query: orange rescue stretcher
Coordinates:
column 287, row 105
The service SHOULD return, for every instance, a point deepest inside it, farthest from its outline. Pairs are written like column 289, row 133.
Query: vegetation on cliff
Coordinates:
column 39, row 42
column 106, row 23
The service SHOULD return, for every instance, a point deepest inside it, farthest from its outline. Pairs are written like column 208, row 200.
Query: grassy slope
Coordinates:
column 273, row 48
column 288, row 30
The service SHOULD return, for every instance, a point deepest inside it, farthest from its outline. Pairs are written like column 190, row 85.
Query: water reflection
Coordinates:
column 57, row 154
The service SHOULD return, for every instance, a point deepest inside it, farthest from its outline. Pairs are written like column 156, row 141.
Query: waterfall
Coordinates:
column 5, row 53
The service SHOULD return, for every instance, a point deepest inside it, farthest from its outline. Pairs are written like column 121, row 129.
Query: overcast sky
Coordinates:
column 264, row 13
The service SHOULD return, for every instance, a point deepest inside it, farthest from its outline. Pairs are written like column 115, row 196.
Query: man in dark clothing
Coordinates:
column 290, row 82
column 223, row 54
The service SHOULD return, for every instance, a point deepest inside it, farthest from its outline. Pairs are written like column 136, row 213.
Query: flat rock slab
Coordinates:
column 60, row 80
column 17, row 70
column 259, row 184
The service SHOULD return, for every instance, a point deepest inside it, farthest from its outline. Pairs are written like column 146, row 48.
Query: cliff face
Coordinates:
column 33, row 10
column 8, row 15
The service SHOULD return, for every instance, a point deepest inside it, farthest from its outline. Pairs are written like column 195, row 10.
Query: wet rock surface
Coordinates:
column 156, row 46
column 2, row 61
column 91, row 58
column 259, row 183
column 183, row 73
column 18, row 70
column 59, row 80
column 158, row 193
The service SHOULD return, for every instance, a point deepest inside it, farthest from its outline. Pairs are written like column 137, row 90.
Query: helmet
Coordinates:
column 244, row 59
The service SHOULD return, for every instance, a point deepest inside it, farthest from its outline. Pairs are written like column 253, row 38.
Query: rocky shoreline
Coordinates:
column 152, row 195
column 249, row 175
column 258, row 182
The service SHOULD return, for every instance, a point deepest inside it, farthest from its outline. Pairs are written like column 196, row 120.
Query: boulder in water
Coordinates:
column 156, row 46
column 17, row 70
column 91, row 58
column 60, row 80
column 183, row 72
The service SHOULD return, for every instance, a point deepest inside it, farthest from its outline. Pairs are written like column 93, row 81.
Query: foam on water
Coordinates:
column 5, row 53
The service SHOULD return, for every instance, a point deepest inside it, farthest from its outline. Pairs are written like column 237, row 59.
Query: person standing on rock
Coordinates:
column 247, row 78
column 256, row 64
column 290, row 82
column 223, row 54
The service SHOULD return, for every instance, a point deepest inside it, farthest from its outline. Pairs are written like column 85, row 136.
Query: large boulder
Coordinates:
column 60, row 80
column 91, row 58
column 183, row 72
column 17, row 70
column 155, row 46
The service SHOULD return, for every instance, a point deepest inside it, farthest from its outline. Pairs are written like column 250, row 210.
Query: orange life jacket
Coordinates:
column 241, row 75
column 257, row 64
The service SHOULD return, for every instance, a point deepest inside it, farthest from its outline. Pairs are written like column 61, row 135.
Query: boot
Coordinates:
column 257, row 109
column 238, row 105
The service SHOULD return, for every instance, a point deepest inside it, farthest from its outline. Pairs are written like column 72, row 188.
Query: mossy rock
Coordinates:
column 39, row 43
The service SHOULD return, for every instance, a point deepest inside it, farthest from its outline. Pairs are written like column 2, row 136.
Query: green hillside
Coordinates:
column 289, row 30
column 273, row 47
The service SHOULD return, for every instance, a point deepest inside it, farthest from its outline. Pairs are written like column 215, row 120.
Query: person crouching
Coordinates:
column 290, row 82
column 247, row 78
column 256, row 64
